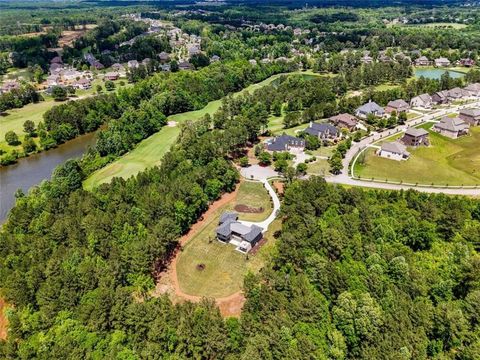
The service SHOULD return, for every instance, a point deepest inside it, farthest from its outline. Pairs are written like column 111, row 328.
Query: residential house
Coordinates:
column 185, row 65
column 165, row 67
column 265, row 61
column 385, row 59
column 164, row 57
column 82, row 84
column 442, row 62
column 285, row 143
column 214, row 58
column 232, row 231
column 55, row 68
column 366, row 59
column 422, row 61
column 133, row 64
column 53, row 80
column 473, row 89
column 415, row 137
column 9, row 86
column 440, row 97
column 394, row 151
column 146, row 61
column 370, row 108
column 98, row 65
column 471, row 116
column 323, row 131
column 457, row 93
column 344, row 121
column 451, row 127
column 71, row 75
column 118, row 67
column 112, row 76
column 252, row 62
column 398, row 106
column 193, row 50
column 422, row 101
column 56, row 60
column 467, row 62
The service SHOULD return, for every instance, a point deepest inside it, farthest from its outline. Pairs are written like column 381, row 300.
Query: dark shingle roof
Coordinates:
column 316, row 129
column 280, row 143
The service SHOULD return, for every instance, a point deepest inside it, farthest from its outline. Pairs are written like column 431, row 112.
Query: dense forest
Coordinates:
column 358, row 274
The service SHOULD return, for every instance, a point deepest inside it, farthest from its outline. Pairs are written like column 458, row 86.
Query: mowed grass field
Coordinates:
column 253, row 194
column 147, row 154
column 151, row 150
column 13, row 119
column 445, row 161
column 225, row 268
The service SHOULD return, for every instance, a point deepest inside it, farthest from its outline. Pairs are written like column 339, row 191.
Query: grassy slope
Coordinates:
column 255, row 195
column 446, row 161
column 150, row 151
column 225, row 268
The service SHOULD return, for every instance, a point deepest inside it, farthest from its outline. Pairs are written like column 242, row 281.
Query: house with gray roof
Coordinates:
column 398, row 106
column 471, row 116
column 442, row 62
column 370, row 108
column 423, row 101
column 322, row 131
column 457, row 93
column 415, row 137
column 285, row 143
column 473, row 89
column 440, row 97
column 394, row 150
column 451, row 127
column 232, row 231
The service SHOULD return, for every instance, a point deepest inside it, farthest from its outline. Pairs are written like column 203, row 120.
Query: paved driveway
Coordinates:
column 257, row 172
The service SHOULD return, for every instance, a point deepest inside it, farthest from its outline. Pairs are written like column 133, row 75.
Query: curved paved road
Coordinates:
column 346, row 177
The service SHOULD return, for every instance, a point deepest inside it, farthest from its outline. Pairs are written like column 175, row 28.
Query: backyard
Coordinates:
column 445, row 161
column 206, row 267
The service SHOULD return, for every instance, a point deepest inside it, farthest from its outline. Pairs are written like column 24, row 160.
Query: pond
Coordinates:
column 432, row 73
column 34, row 169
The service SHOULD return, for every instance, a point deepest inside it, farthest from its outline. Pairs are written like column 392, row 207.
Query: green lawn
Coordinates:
column 254, row 194
column 445, row 161
column 225, row 268
column 147, row 154
column 14, row 118
column 319, row 167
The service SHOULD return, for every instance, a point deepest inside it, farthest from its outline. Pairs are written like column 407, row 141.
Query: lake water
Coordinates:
column 34, row 169
column 437, row 73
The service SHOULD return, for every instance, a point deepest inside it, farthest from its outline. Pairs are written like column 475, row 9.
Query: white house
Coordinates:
column 394, row 151
column 422, row 101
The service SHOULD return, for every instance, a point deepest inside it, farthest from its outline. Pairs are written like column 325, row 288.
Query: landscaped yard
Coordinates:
column 209, row 268
column 446, row 161
column 254, row 195
column 320, row 167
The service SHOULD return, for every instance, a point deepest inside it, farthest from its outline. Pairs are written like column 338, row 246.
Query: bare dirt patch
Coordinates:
column 279, row 187
column 248, row 209
column 3, row 320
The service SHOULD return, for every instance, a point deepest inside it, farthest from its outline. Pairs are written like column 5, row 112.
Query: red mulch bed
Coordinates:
column 248, row 209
